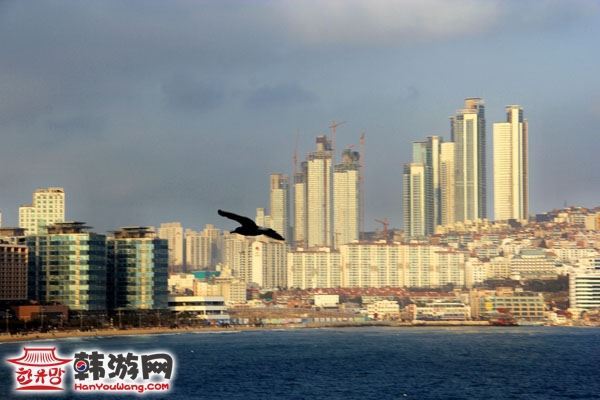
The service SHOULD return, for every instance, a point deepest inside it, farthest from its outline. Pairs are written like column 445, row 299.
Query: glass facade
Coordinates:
column 68, row 268
column 138, row 273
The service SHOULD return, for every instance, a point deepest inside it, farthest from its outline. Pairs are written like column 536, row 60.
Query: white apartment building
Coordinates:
column 280, row 204
column 47, row 208
column 173, row 233
column 511, row 177
column 400, row 265
column 447, row 194
column 198, row 250
column 414, row 200
column 346, row 198
column 319, row 186
column 313, row 268
column 300, row 215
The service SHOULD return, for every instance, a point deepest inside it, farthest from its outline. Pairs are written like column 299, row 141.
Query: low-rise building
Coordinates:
column 383, row 309
column 527, row 306
column 210, row 308
column 584, row 290
column 441, row 310
column 327, row 300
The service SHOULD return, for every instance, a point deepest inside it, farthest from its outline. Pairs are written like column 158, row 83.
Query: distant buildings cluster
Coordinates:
column 447, row 240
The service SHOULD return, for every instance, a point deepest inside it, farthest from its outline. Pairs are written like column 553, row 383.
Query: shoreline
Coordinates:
column 38, row 336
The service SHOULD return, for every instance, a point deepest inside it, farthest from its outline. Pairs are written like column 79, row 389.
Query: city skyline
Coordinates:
column 183, row 114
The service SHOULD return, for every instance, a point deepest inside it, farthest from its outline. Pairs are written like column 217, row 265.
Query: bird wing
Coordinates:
column 272, row 234
column 245, row 221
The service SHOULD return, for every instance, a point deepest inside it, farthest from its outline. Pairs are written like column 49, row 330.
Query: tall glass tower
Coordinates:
column 468, row 132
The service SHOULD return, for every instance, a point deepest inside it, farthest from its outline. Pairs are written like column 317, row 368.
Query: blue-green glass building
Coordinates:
column 137, row 270
column 67, row 265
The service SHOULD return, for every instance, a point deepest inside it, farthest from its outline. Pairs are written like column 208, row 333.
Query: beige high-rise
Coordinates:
column 47, row 208
column 511, row 178
column 346, row 198
column 319, row 208
column 300, row 222
column 447, row 199
column 173, row 232
column 280, row 204
column 414, row 200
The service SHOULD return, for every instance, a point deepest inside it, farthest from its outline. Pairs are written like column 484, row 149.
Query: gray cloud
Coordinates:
column 187, row 94
column 151, row 111
column 281, row 95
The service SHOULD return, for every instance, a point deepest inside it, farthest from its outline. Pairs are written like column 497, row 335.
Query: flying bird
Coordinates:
column 249, row 227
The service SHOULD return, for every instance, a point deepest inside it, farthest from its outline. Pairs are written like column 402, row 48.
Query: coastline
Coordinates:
column 37, row 336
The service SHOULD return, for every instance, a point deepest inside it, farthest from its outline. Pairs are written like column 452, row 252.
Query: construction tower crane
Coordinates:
column 333, row 128
column 385, row 222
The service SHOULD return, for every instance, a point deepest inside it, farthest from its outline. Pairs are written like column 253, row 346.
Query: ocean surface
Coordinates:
column 362, row 363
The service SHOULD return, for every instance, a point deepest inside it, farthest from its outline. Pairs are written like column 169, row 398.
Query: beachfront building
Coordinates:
column 383, row 309
column 137, row 270
column 67, row 265
column 584, row 290
column 440, row 310
column 210, row 308
column 522, row 305
column 13, row 271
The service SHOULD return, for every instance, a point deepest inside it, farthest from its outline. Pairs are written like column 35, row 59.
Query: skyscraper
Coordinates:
column 173, row 232
column 428, row 154
column 300, row 200
column 414, row 200
column 447, row 196
column 511, row 177
column 468, row 132
column 319, row 194
column 47, row 208
column 280, row 204
column 346, row 198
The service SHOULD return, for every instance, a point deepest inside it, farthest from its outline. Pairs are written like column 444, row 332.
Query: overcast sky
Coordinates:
column 154, row 111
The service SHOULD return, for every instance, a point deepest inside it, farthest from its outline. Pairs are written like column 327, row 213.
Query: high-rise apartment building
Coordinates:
column 511, row 177
column 280, row 204
column 269, row 264
column 319, row 208
column 68, row 265
column 198, row 250
column 173, row 233
column 447, row 183
column 137, row 270
column 237, row 255
column 428, row 154
column 414, row 200
column 300, row 202
column 47, row 208
column 468, row 134
column 346, row 198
